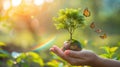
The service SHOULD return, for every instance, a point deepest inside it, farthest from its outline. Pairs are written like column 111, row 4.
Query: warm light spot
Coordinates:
column 85, row 42
column 28, row 2
column 49, row 1
column 32, row 17
column 38, row 2
column 16, row 2
column 6, row 5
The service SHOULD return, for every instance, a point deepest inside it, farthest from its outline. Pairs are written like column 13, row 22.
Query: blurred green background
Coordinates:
column 27, row 30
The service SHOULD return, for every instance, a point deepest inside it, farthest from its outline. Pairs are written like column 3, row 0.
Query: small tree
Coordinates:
column 69, row 19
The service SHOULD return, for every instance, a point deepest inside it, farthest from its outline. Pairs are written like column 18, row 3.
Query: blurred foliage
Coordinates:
column 2, row 44
column 3, row 53
column 109, row 52
column 26, row 60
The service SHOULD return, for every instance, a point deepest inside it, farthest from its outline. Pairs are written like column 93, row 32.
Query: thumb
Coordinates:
column 76, row 54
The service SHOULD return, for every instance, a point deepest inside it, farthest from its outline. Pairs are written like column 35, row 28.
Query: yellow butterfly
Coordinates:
column 86, row 12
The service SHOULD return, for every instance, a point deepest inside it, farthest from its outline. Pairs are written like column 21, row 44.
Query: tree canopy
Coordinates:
column 69, row 19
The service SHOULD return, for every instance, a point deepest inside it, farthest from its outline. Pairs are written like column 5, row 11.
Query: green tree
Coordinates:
column 69, row 19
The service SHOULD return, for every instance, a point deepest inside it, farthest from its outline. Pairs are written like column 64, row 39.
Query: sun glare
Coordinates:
column 28, row 2
column 38, row 2
column 49, row 1
column 6, row 5
column 16, row 2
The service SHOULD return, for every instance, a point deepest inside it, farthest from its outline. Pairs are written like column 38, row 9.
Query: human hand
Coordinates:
column 84, row 57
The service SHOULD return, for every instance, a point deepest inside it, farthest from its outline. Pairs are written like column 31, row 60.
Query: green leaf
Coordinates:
column 106, row 48
column 24, row 65
column 69, row 18
column 2, row 44
column 35, row 58
column 4, row 54
column 10, row 63
column 104, row 55
column 113, row 49
column 53, row 63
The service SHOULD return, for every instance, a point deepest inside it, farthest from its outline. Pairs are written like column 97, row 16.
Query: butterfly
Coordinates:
column 103, row 36
column 92, row 25
column 98, row 30
column 86, row 12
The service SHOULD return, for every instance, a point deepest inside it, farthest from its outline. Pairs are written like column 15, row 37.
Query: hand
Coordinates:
column 84, row 57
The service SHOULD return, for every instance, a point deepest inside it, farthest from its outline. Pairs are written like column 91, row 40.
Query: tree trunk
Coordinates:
column 70, row 36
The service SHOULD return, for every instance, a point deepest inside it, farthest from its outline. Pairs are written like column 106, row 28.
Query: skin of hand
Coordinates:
column 84, row 57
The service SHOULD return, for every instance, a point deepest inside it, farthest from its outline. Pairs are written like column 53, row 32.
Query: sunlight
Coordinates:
column 28, row 2
column 6, row 5
column 49, row 1
column 16, row 2
column 38, row 2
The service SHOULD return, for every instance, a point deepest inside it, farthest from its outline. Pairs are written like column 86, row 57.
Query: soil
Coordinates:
column 72, row 45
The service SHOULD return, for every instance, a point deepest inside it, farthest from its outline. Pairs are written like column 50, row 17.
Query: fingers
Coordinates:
column 75, row 54
column 80, row 54
column 67, row 55
column 62, row 54
column 58, row 51
column 74, row 57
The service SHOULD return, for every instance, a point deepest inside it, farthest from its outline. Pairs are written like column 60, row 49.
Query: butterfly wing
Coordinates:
column 98, row 30
column 86, row 12
column 103, row 36
column 92, row 25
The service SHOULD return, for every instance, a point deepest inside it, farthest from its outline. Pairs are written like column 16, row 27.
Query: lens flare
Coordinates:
column 6, row 5
column 28, row 2
column 38, row 2
column 16, row 2
column 50, row 1
column 44, row 44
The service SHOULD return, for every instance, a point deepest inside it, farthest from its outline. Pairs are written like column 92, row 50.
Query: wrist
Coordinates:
column 97, row 62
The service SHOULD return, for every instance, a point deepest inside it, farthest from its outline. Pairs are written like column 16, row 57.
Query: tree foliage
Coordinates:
column 69, row 19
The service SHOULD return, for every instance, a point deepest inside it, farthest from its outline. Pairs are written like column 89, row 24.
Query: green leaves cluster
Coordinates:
column 27, row 59
column 69, row 19
column 109, row 52
column 3, row 53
